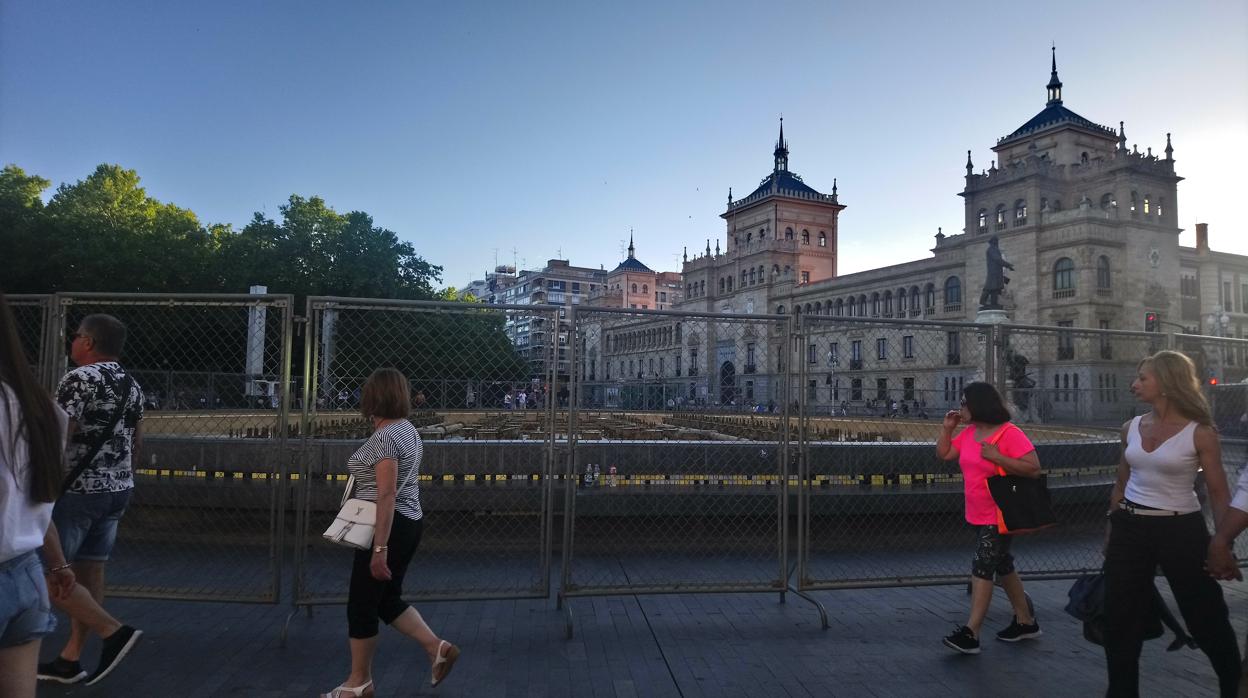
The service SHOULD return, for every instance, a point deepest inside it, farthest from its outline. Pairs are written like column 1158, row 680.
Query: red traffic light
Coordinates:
column 1151, row 323
column 1213, row 381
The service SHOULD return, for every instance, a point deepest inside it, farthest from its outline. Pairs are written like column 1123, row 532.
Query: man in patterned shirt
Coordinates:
column 105, row 406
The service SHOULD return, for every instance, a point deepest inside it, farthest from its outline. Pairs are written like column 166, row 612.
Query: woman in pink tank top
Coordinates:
column 989, row 441
column 1155, row 519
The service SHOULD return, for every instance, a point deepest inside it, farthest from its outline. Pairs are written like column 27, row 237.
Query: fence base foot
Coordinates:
column 823, row 612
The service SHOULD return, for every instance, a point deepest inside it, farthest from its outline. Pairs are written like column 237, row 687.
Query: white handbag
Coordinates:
column 356, row 521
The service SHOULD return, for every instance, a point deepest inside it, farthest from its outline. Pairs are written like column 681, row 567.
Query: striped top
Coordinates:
column 400, row 442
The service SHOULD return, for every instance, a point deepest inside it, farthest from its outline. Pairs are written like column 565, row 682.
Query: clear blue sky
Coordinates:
column 467, row 128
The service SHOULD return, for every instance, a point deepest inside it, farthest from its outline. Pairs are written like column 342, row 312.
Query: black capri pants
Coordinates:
column 992, row 553
column 370, row 600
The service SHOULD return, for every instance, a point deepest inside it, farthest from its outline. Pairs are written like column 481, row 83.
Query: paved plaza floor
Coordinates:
column 882, row 642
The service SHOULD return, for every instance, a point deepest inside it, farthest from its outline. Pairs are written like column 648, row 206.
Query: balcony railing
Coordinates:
column 1105, row 292
column 1063, row 293
column 953, row 307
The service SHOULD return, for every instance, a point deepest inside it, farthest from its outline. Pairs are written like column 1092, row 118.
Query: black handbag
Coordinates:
column 1023, row 503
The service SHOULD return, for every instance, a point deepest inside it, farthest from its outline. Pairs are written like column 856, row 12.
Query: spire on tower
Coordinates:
column 630, row 244
column 782, row 150
column 1169, row 148
column 1055, row 85
column 1122, row 136
column 969, row 167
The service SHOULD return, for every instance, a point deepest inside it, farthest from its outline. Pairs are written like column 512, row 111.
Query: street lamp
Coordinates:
column 1219, row 321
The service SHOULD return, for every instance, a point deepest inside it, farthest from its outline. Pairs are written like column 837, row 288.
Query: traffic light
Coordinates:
column 1213, row 380
column 1151, row 323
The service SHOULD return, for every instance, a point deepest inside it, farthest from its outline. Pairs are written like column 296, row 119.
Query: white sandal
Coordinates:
column 445, row 662
column 352, row 691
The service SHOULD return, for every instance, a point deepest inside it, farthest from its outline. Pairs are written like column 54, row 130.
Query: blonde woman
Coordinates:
column 387, row 471
column 1155, row 519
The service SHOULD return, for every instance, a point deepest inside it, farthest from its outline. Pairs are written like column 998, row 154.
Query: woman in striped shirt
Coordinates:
column 387, row 471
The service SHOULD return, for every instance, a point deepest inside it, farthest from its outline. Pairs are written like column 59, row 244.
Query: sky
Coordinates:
column 527, row 131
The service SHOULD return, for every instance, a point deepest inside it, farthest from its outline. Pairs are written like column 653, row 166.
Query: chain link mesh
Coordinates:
column 206, row 514
column 676, row 478
column 484, row 390
column 32, row 315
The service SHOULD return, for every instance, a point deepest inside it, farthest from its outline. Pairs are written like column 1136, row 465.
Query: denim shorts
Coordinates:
column 25, row 613
column 87, row 523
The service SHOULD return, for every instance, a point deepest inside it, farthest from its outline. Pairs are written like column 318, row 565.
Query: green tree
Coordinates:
column 23, row 228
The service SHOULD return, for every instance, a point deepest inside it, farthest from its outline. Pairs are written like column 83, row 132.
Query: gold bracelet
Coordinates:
column 58, row 569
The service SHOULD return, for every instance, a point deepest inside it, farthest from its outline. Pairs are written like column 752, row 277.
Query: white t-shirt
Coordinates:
column 23, row 521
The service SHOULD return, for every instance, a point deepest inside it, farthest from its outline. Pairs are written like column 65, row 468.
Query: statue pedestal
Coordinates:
column 994, row 316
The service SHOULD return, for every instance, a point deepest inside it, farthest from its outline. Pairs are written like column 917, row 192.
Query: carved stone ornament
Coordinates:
column 1154, row 257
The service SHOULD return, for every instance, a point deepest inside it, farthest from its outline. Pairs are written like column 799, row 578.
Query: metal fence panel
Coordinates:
column 33, row 314
column 676, row 477
column 485, row 477
column 206, row 518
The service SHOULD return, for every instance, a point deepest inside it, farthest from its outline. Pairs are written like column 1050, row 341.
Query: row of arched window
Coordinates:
column 822, row 238
column 643, row 339
column 906, row 301
column 1002, row 215
column 749, row 277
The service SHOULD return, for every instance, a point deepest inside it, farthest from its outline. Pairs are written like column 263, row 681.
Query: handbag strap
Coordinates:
column 992, row 440
column 104, row 438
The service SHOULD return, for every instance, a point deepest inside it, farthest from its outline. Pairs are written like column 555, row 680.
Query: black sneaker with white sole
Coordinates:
column 116, row 647
column 962, row 640
column 61, row 670
column 1016, row 631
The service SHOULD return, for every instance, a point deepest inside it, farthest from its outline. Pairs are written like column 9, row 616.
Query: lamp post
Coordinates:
column 1219, row 320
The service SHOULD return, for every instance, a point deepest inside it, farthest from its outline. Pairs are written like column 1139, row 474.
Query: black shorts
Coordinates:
column 992, row 553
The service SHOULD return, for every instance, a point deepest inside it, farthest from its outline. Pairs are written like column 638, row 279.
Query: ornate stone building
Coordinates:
column 1089, row 224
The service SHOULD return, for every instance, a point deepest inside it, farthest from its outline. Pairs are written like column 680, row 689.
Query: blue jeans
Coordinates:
column 25, row 613
column 87, row 523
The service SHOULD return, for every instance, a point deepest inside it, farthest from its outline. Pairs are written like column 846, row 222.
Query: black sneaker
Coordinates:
column 1017, row 631
column 61, row 670
column 962, row 640
column 116, row 647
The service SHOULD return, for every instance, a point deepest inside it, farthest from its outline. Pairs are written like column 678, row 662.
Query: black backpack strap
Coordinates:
column 124, row 404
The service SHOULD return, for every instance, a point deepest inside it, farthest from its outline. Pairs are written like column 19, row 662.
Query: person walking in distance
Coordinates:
column 990, row 440
column 105, row 406
column 1155, row 519
column 387, row 471
column 32, row 432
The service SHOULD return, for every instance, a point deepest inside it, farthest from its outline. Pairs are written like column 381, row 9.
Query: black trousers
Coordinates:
column 370, row 600
column 1137, row 545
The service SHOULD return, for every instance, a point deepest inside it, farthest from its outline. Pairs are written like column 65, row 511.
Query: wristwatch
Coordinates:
column 380, row 548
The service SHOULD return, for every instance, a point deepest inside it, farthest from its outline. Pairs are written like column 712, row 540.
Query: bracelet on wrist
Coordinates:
column 58, row 568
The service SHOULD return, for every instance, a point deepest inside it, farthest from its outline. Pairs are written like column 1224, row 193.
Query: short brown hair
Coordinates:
column 386, row 394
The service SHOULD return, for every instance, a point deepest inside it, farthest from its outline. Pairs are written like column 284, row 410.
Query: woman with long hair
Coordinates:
column 32, row 438
column 990, row 440
column 1155, row 519
column 387, row 471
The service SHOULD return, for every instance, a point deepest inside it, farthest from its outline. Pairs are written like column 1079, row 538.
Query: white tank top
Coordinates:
column 1165, row 478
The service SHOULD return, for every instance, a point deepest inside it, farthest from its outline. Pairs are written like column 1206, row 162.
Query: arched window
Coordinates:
column 819, row 308
column 753, row 276
column 852, row 305
column 775, row 270
column 744, row 276
column 1161, row 201
column 780, row 310
column 808, row 308
column 1135, row 198
column 730, row 284
column 1103, row 279
column 840, row 307
column 645, row 288
column 762, row 234
column 721, row 285
column 1020, row 212
column 1000, row 216
column 805, row 237
column 1146, row 208
column 929, row 296
column 1083, row 158
column 901, row 301
column 862, row 305
column 888, row 303
column 914, row 300
column 983, row 220
column 1064, row 275
column 953, row 291
column 788, row 233
column 634, row 288
column 1107, row 201
column 823, row 237
column 749, row 237
column 875, row 305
